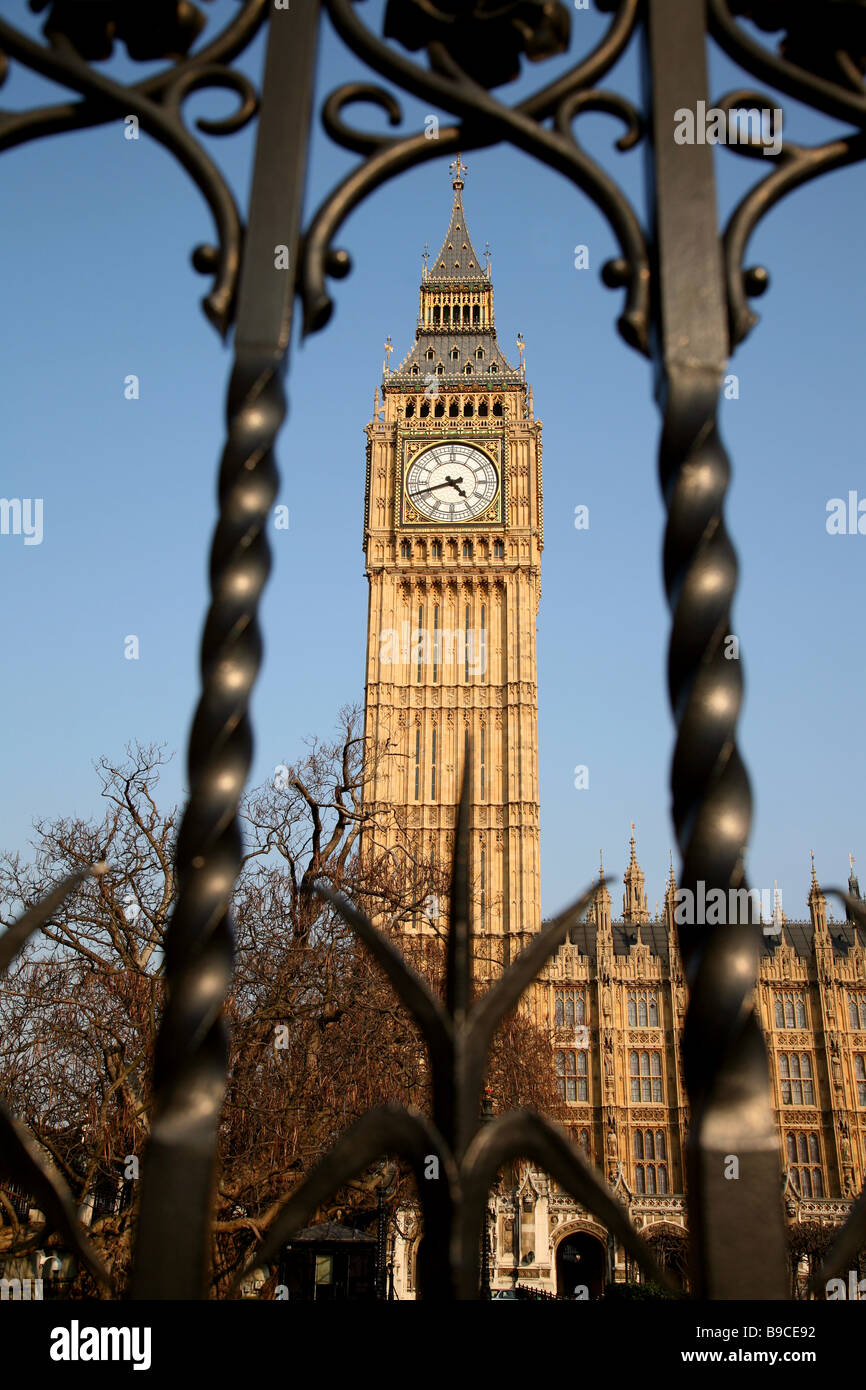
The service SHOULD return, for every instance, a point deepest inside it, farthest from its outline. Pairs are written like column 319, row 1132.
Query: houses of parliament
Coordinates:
column 453, row 534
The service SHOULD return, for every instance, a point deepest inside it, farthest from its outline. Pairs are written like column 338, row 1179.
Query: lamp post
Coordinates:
column 486, row 1117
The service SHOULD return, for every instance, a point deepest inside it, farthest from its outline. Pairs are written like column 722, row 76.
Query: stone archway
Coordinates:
column 580, row 1263
column 669, row 1243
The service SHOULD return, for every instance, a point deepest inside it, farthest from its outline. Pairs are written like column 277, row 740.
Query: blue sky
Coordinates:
column 96, row 234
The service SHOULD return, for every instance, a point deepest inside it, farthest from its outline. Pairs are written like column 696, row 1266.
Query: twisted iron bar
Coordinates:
column 192, row 1051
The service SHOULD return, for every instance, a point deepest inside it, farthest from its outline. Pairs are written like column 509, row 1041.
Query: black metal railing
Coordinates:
column 686, row 305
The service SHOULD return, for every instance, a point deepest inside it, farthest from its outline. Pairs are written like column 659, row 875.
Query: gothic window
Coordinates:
column 497, row 408
column 483, row 888
column 425, row 410
column 857, row 1010
column 661, row 1144
column 468, row 409
column 440, row 369
column 405, row 550
column 467, row 550
column 650, row 1176
column 417, row 764
column 571, row 1075
column 498, row 550
column 453, row 409
column 795, row 1072
column 645, row 1071
column 804, row 1158
column 420, row 643
column 860, row 1078
column 416, row 370
column 583, row 1141
column 479, row 352
column 429, row 354
column 436, row 317
column 482, row 410
column 467, row 370
column 638, row 1144
column 455, row 353
column 437, row 554
column 643, row 1009
column 662, row 1173
column 476, row 314
column 493, row 368
column 569, row 1008
column 446, row 312
column 410, row 409
column 466, row 637
column 438, row 410
column 433, row 767
column 789, row 1010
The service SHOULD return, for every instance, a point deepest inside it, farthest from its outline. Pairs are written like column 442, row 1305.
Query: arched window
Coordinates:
column 800, row 1008
column 638, row 1144
column 479, row 353
column 446, row 315
column 817, row 1182
column 429, row 354
column 437, row 314
column 453, row 409
column 455, row 354
column 583, row 1141
column 779, row 1014
column 640, row 1183
column 559, row 1012
column 498, row 550
column 467, row 370
column 497, row 408
column 410, row 409
column 663, row 1178
column 493, row 368
column 650, row 1179
column 467, row 550
column 649, row 1144
column 482, row 410
column 438, row 410
column 632, row 1011
column 425, row 410
column 641, row 1011
column 437, row 550
column 789, row 1013
column 476, row 313
column 406, row 550
column 645, row 1070
column 468, row 409
column 653, row 1012
column 661, row 1145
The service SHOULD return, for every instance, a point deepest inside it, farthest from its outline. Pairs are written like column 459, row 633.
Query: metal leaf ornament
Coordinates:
column 485, row 37
column 454, row 1154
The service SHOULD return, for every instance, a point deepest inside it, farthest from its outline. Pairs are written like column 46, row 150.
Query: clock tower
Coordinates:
column 453, row 539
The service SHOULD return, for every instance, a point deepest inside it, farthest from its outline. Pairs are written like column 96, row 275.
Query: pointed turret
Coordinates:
column 671, row 896
column 853, row 885
column 817, row 903
column 634, row 904
column 601, row 902
column 456, row 335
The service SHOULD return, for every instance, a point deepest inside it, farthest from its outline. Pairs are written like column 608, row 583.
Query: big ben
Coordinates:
column 453, row 539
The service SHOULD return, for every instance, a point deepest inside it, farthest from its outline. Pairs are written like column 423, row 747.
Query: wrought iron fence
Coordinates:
column 686, row 292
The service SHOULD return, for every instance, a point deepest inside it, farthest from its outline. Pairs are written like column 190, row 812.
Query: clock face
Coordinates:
column 452, row 482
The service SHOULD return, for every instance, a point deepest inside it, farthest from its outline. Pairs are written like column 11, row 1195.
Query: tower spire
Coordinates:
column 634, row 903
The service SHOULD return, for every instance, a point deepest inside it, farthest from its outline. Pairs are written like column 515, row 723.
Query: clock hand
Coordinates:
column 449, row 482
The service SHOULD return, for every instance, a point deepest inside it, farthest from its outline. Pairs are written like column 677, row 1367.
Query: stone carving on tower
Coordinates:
column 453, row 539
